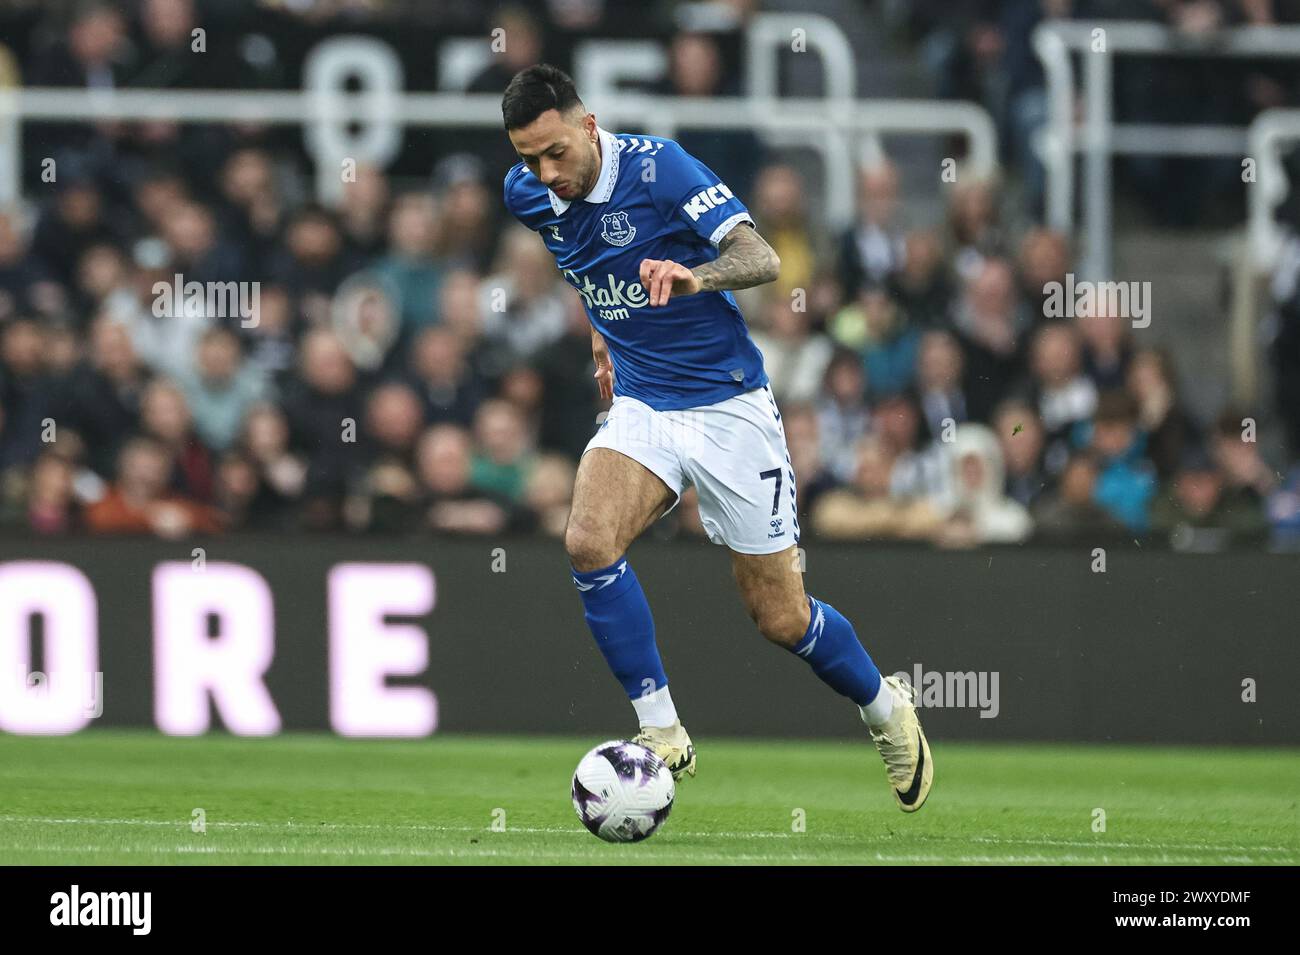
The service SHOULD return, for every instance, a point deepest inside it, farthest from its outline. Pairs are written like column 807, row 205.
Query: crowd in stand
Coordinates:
column 411, row 362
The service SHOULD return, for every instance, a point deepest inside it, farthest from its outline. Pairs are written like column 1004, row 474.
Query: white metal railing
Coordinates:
column 1271, row 131
column 1100, row 138
column 327, row 114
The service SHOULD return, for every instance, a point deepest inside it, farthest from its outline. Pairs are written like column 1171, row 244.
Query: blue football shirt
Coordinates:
column 652, row 200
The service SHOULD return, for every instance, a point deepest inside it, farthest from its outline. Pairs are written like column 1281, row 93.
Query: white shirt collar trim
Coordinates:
column 605, row 181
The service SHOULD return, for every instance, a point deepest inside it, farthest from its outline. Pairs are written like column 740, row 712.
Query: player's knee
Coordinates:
column 589, row 548
column 784, row 626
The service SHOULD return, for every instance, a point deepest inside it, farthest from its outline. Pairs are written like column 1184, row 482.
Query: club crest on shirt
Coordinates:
column 617, row 230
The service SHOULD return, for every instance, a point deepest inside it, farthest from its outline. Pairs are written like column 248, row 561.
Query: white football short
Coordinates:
column 733, row 452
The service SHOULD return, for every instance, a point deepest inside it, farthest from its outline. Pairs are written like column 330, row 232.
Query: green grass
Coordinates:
column 117, row 797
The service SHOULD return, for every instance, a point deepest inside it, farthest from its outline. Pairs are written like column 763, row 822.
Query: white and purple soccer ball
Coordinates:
column 622, row 791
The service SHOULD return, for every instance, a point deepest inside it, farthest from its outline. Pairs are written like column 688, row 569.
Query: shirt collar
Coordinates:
column 604, row 188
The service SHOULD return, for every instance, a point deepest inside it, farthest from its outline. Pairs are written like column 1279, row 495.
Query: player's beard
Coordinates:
column 588, row 178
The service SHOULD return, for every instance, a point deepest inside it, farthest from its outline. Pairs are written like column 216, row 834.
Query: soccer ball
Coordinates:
column 622, row 791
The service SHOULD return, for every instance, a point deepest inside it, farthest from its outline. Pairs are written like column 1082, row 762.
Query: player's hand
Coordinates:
column 604, row 368
column 664, row 278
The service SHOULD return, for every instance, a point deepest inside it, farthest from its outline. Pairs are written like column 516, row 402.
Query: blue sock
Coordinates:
column 619, row 618
column 832, row 649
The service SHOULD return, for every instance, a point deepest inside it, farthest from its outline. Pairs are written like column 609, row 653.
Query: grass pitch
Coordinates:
column 120, row 798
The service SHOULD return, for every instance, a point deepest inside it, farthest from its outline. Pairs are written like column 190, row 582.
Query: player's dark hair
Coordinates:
column 535, row 90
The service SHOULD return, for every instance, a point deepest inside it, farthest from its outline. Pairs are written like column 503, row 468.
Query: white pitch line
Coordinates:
column 552, row 830
column 694, row 856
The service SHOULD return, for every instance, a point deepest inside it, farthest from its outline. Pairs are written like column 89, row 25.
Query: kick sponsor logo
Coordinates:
column 706, row 199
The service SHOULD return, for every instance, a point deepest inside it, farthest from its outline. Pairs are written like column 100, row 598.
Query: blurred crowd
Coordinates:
column 411, row 362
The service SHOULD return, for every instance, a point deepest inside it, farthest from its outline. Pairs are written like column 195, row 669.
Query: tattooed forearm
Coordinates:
column 744, row 261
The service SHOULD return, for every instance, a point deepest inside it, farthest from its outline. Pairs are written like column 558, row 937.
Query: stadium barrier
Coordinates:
column 369, row 637
column 343, row 127
column 1100, row 138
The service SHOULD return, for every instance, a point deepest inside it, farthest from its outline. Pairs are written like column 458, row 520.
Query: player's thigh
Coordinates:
column 771, row 587
column 615, row 498
column 736, row 457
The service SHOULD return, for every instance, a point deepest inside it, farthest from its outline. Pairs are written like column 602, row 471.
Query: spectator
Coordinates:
column 923, row 286
column 313, row 262
column 1044, row 259
column 73, row 224
column 874, row 327
column 323, row 406
column 101, row 401
column 986, row 323
column 782, row 216
column 843, row 417
column 270, row 336
column 695, row 68
column 460, row 308
column 139, row 501
column 1199, row 511
column 811, row 477
column 920, row 465
column 394, row 421
column 253, row 210
column 503, row 455
column 91, row 56
column 366, row 320
column 548, row 493
column 221, row 389
column 1070, row 511
column 794, row 356
column 522, row 307
column 1248, row 480
column 104, row 281
column 939, row 377
column 872, row 250
column 570, row 397
column 25, row 282
column 28, row 394
column 469, row 230
column 979, row 511
column 52, row 508
column 281, row 474
column 1161, row 415
column 1064, row 395
column 866, row 510
column 1107, row 347
column 439, row 375
column 408, row 268
column 452, row 502
column 165, row 416
column 242, row 501
column 1126, row 482
column 892, row 344
column 198, row 251
column 1020, row 435
column 974, row 231
column 524, row 39
column 363, row 212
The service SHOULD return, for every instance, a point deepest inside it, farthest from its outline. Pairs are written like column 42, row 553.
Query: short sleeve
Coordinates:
column 510, row 193
column 688, row 192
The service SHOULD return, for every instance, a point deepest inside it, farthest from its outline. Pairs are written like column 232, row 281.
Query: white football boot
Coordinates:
column 902, row 746
column 673, row 746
